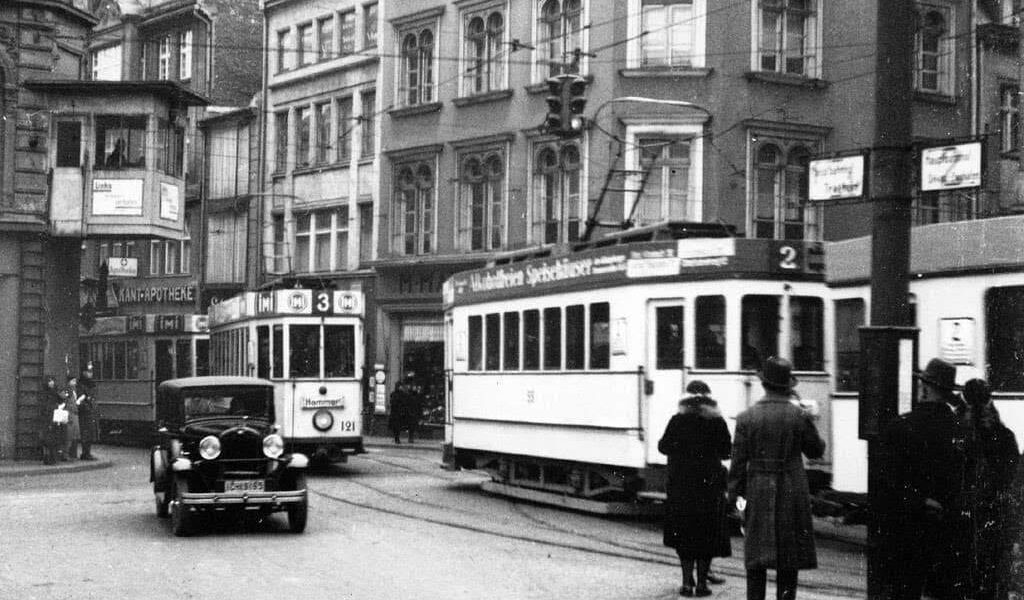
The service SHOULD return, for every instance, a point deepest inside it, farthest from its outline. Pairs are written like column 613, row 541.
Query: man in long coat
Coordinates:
column 768, row 471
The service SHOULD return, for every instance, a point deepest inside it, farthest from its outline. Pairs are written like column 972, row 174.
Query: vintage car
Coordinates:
column 218, row 451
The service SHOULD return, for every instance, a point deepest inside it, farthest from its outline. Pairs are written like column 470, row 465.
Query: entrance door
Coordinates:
column 665, row 363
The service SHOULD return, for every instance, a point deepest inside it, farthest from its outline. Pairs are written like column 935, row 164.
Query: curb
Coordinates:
column 31, row 470
column 392, row 445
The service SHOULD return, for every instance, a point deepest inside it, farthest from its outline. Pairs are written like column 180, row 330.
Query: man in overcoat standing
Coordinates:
column 768, row 472
column 924, row 456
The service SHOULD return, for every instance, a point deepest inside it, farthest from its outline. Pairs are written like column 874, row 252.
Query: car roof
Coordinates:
column 212, row 381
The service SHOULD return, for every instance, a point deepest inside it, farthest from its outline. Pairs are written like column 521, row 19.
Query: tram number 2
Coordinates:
column 789, row 258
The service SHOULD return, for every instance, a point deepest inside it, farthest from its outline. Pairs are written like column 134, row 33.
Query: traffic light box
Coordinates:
column 566, row 101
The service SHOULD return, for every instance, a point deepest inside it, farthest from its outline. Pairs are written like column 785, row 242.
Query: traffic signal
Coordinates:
column 566, row 101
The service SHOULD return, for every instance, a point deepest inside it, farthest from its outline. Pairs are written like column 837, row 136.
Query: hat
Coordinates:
column 939, row 374
column 698, row 387
column 777, row 374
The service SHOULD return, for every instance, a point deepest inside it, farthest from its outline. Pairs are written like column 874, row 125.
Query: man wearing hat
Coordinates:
column 924, row 455
column 768, row 471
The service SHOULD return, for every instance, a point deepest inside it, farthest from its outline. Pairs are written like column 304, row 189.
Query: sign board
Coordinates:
column 836, row 178
column 170, row 201
column 953, row 167
column 122, row 267
column 956, row 340
column 117, row 197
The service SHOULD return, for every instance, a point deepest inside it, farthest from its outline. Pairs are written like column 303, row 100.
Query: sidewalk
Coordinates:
column 29, row 468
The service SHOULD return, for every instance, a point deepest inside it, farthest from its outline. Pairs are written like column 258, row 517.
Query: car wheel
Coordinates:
column 297, row 513
column 181, row 519
column 163, row 504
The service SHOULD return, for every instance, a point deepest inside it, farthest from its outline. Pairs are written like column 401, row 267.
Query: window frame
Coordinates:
column 163, row 61
column 785, row 172
column 281, row 131
column 492, row 189
column 345, row 122
column 409, row 183
column 185, row 55
column 944, row 54
column 1009, row 116
column 325, row 25
column 417, row 69
column 491, row 46
column 324, row 115
column 547, row 46
column 305, row 54
column 635, row 28
column 283, row 42
column 367, row 122
column 103, row 62
column 811, row 59
column 545, row 177
column 694, row 132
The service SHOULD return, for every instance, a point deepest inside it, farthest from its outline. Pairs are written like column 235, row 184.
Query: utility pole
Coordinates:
column 891, row 198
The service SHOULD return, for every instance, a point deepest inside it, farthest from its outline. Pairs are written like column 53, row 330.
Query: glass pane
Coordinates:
column 263, row 352
column 759, row 330
column 492, row 359
column 849, row 318
column 304, row 350
column 552, row 338
column 575, row 328
column 669, row 343
column 183, row 358
column 710, row 324
column 476, row 343
column 806, row 334
column 531, row 340
column 511, row 343
column 1004, row 314
column 339, row 351
column 599, row 348
column 278, row 349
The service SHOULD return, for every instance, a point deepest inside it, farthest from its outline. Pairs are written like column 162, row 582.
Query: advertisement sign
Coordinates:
column 122, row 267
column 956, row 340
column 953, row 167
column 169, row 201
column 836, row 178
column 117, row 197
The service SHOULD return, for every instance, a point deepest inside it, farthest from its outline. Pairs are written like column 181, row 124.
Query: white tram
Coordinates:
column 564, row 370
column 131, row 355
column 967, row 294
column 308, row 343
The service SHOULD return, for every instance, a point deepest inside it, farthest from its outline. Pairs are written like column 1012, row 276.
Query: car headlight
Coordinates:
column 323, row 420
column 273, row 446
column 209, row 447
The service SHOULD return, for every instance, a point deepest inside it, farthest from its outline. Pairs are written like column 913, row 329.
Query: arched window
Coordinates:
column 561, row 35
column 418, row 67
column 780, row 207
column 556, row 194
column 484, row 52
column 931, row 70
column 483, row 202
column 413, row 209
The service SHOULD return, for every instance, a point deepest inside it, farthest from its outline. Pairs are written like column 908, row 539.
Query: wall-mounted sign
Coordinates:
column 836, row 178
column 956, row 340
column 160, row 294
column 952, row 167
column 122, row 266
column 117, row 197
column 169, row 201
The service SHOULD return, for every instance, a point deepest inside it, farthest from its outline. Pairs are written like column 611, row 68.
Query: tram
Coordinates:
column 307, row 342
column 967, row 299
column 565, row 369
column 131, row 355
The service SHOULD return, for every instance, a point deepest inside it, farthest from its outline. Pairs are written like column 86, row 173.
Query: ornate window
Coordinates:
column 934, row 49
column 413, row 209
column 779, row 194
column 557, row 177
column 788, row 37
column 417, row 84
column 560, row 35
column 482, row 210
column 484, row 66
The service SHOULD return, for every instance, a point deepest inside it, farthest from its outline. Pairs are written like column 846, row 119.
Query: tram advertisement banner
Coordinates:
column 621, row 265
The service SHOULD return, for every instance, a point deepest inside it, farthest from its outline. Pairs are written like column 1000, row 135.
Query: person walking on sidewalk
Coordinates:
column 696, row 442
column 768, row 472
column 74, row 436
column 405, row 409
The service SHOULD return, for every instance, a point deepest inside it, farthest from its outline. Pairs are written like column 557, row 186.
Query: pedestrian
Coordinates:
column 74, row 435
column 768, row 472
column 87, row 417
column 924, row 458
column 696, row 441
column 402, row 405
column 992, row 466
column 53, row 418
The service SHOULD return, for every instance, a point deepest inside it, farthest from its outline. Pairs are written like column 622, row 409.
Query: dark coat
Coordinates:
column 50, row 433
column 768, row 471
column 88, row 418
column 405, row 408
column 696, row 442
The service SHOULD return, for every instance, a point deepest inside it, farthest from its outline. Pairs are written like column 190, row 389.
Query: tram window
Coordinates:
column 670, row 337
column 492, row 347
column 119, row 358
column 476, row 342
column 108, row 361
column 263, row 351
column 202, row 357
column 575, row 327
column 183, row 357
column 511, row 345
column 531, row 340
column 806, row 334
column 277, row 347
column 1004, row 316
column 849, row 317
column 552, row 338
column 304, row 350
column 759, row 330
column 710, row 332
column 339, row 354
column 599, row 353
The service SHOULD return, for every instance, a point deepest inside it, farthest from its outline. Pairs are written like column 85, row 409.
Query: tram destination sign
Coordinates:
column 626, row 264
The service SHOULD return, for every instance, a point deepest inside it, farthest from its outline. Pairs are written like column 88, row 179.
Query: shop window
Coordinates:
column 552, row 339
column 531, row 340
column 511, row 341
column 599, row 339
column 492, row 347
column 710, row 332
column 183, row 357
column 120, row 142
column 202, row 357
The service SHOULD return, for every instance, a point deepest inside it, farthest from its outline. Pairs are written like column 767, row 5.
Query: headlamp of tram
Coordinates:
column 209, row 447
column 323, row 420
column 273, row 446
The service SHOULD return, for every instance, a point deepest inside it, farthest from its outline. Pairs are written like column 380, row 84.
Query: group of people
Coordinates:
column 68, row 419
column 767, row 472
column 950, row 511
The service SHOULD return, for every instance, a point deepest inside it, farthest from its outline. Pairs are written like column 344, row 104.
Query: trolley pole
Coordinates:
column 891, row 198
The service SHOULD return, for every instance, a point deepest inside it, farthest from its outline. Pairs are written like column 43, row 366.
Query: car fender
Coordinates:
column 181, row 464
column 157, row 465
column 298, row 461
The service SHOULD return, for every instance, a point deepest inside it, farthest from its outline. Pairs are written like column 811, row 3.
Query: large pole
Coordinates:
column 890, row 241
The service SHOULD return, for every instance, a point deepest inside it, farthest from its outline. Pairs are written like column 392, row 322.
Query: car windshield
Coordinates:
column 250, row 403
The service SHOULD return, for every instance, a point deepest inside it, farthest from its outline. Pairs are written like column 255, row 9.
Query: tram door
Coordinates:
column 664, row 370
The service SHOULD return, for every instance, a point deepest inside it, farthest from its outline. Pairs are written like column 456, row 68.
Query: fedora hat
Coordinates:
column 939, row 374
column 777, row 374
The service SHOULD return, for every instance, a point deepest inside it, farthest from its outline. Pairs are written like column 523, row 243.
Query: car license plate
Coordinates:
column 243, row 485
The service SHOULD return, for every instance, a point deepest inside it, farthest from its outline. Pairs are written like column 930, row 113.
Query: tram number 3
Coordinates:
column 788, row 257
column 322, row 302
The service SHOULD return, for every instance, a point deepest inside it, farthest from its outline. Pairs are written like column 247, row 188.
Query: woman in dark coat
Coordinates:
column 52, row 435
column 696, row 442
column 87, row 418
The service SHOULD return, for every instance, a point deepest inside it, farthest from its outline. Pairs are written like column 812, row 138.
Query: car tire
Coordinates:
column 297, row 513
column 182, row 519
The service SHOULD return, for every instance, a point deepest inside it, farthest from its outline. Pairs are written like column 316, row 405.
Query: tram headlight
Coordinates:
column 273, row 446
column 209, row 447
column 323, row 420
